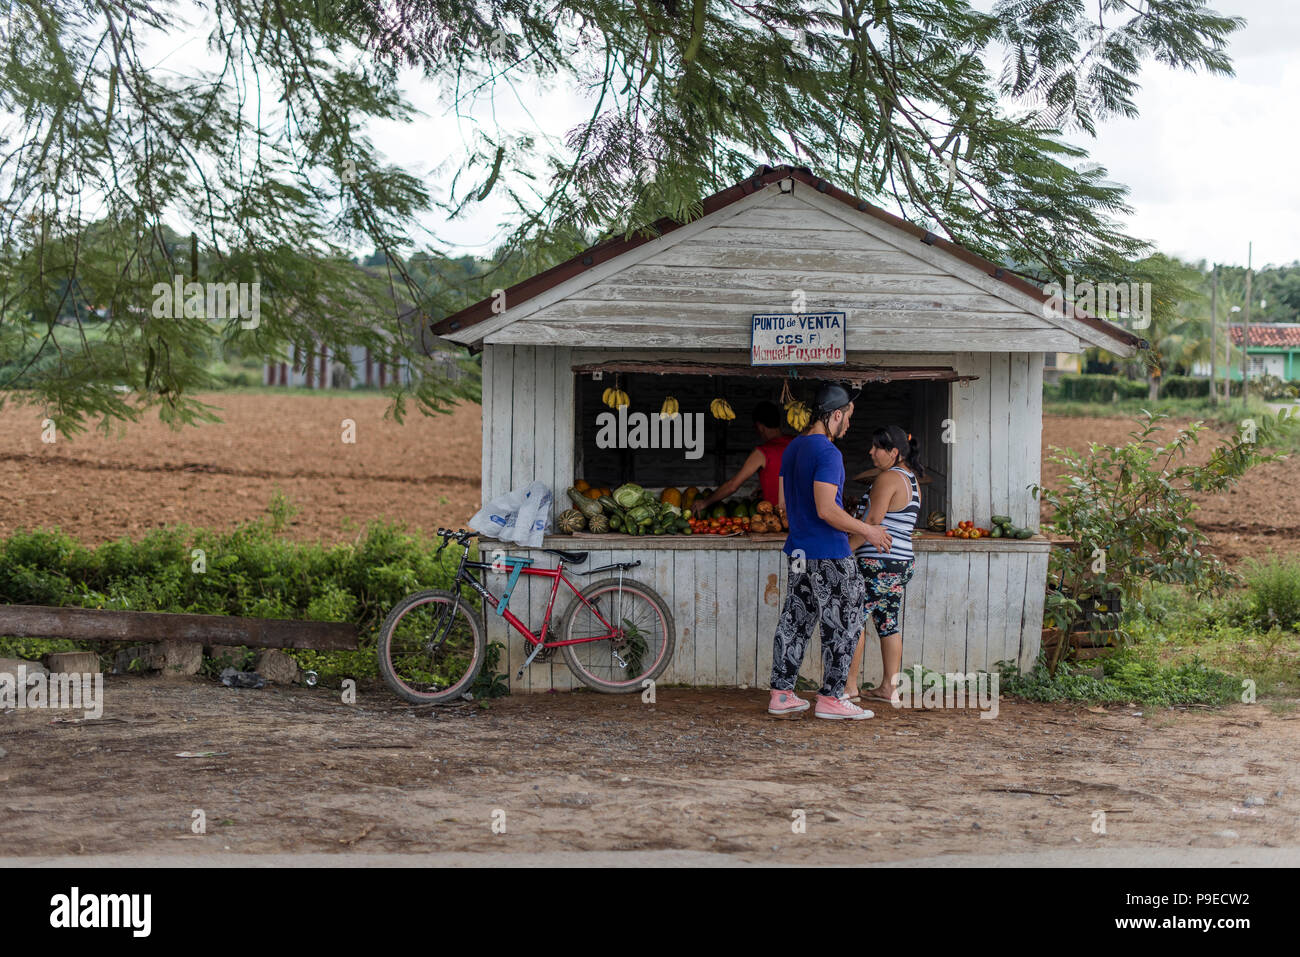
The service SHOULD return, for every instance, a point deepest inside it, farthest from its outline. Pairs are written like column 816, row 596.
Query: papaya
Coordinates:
column 670, row 496
column 689, row 497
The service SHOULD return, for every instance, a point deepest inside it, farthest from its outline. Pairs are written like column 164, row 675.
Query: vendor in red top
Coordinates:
column 765, row 459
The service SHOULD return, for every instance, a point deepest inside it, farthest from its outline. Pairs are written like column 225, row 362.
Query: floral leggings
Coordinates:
column 885, row 582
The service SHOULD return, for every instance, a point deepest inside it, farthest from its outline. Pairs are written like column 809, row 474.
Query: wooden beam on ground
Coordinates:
column 96, row 624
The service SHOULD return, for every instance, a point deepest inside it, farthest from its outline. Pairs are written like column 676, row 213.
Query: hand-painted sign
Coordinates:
column 797, row 338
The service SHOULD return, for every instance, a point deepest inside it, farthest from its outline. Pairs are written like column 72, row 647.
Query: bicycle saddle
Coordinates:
column 573, row 558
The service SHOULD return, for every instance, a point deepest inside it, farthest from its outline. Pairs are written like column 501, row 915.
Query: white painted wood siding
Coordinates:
column 964, row 610
column 697, row 287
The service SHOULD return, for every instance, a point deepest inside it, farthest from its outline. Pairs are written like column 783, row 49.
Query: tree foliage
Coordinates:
column 258, row 148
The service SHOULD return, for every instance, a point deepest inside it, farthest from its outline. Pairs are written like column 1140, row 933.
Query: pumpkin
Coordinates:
column 670, row 496
column 598, row 524
column 591, row 493
column 570, row 521
column 581, row 485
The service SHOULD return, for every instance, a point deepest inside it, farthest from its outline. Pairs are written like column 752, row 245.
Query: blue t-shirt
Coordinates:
column 808, row 459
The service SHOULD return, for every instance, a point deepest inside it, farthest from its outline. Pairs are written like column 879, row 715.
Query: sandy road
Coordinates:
column 697, row 773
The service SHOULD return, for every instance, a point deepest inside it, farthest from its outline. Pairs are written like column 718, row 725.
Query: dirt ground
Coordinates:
column 297, row 770
column 425, row 472
column 98, row 488
column 1257, row 518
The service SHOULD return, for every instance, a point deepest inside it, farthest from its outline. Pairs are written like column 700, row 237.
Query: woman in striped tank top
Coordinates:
column 894, row 502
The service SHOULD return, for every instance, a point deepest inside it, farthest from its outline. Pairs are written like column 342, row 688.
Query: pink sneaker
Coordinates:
column 785, row 702
column 840, row 709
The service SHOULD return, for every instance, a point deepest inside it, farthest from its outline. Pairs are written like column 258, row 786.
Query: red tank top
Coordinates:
column 769, row 476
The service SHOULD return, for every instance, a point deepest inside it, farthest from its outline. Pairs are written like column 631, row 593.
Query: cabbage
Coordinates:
column 629, row 495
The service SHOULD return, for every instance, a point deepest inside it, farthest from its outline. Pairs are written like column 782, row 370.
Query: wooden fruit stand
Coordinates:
column 943, row 343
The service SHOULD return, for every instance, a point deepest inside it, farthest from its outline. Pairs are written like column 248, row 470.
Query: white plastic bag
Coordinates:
column 534, row 516
column 520, row 516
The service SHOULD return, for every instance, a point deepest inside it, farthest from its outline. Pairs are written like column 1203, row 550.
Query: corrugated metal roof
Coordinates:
column 763, row 177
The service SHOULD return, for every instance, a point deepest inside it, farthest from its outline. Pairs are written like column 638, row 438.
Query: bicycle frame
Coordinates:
column 557, row 575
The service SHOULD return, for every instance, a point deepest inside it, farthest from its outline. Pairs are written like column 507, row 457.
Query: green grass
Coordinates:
column 1128, row 676
column 1188, row 650
column 1224, row 633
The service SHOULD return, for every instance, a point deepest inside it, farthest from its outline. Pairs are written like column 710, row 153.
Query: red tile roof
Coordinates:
column 1276, row 335
column 763, row 176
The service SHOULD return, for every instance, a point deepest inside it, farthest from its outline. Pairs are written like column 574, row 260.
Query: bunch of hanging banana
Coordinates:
column 721, row 409
column 670, row 409
column 614, row 398
column 798, row 415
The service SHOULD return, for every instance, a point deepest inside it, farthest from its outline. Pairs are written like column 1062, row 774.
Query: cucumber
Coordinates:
column 997, row 531
column 1024, row 533
column 616, row 523
column 1001, row 519
column 610, row 506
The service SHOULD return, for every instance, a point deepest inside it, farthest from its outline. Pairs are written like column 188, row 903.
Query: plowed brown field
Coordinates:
column 424, row 472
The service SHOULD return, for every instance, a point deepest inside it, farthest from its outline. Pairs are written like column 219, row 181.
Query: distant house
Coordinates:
column 1057, row 364
column 1274, row 350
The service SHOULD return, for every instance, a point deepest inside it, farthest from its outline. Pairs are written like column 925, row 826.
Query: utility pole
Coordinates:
column 1214, row 336
column 1245, row 327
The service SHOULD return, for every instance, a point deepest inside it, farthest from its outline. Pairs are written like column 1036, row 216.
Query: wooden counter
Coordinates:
column 926, row 542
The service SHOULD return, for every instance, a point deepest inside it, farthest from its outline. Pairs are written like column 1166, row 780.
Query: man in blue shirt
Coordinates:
column 825, row 585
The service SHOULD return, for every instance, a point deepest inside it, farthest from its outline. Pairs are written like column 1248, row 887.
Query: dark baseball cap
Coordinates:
column 833, row 396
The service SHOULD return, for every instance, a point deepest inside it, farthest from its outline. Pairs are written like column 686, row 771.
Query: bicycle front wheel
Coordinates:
column 431, row 647
column 641, row 646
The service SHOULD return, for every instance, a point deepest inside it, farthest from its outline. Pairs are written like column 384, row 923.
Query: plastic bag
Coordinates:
column 520, row 516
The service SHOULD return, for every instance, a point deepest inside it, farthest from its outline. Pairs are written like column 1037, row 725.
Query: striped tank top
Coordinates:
column 899, row 525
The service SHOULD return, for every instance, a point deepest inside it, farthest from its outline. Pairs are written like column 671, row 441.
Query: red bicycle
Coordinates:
column 615, row 635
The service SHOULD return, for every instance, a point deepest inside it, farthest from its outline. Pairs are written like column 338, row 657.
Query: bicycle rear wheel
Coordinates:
column 431, row 647
column 641, row 650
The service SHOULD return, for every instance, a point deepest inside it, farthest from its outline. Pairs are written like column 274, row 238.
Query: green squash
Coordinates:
column 570, row 521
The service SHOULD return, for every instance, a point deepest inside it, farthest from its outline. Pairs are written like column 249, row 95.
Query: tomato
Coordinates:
column 950, row 534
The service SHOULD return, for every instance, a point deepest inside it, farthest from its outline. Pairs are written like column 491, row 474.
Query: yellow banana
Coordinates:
column 670, row 408
column 621, row 398
column 605, row 396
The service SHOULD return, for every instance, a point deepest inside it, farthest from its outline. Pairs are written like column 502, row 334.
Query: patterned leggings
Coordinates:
column 829, row 591
column 884, row 587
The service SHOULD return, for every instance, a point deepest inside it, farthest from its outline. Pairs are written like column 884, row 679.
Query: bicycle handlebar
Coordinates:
column 462, row 537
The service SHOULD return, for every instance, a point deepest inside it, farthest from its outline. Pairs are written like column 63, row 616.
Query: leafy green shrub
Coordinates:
column 1273, row 593
column 1126, row 676
column 1099, row 388
column 1129, row 510
column 1184, row 387
column 247, row 571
